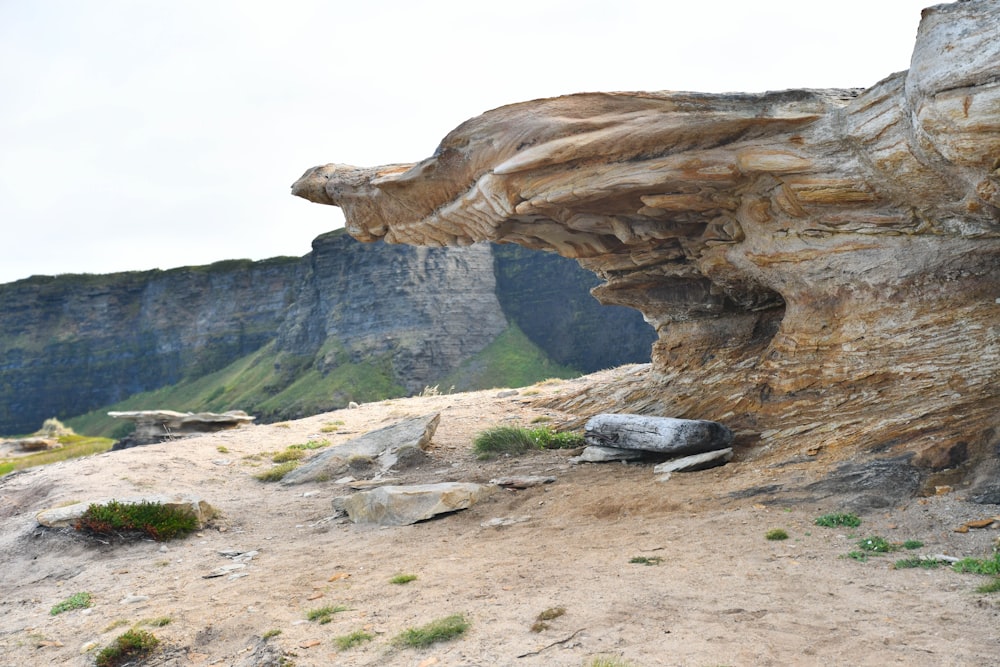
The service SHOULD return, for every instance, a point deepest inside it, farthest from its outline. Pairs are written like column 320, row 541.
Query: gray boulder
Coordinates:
column 400, row 444
column 404, row 505
column 663, row 435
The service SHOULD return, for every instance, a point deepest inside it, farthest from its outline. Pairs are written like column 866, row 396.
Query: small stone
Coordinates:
column 506, row 393
column 499, row 522
column 942, row 490
column 88, row 647
column 981, row 523
column 134, row 599
column 310, row 643
column 338, row 576
column 315, row 596
column 522, row 482
column 596, row 454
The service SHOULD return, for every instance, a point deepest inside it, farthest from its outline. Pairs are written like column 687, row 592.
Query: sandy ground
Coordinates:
column 721, row 595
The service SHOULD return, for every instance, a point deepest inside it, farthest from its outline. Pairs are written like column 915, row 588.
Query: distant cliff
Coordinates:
column 288, row 336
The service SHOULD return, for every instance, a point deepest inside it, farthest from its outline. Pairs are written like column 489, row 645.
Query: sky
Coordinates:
column 144, row 134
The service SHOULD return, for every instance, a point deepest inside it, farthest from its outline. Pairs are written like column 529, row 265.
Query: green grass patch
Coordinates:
column 515, row 440
column 131, row 647
column 355, row 638
column 403, row 579
column 270, row 634
column 443, row 629
column 834, row 520
column 73, row 446
column 324, row 615
column 158, row 622
column 916, row 561
column 646, row 560
column 278, row 472
column 989, row 566
column 511, row 360
column 776, row 534
column 861, row 556
column 80, row 600
column 910, row 545
column 148, row 518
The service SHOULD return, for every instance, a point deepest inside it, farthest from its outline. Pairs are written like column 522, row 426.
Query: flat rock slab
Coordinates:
column 404, row 505
column 696, row 462
column 153, row 426
column 68, row 515
column 522, row 481
column 663, row 435
column 596, row 454
column 398, row 443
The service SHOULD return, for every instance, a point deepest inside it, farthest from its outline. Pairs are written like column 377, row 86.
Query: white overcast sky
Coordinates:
column 141, row 134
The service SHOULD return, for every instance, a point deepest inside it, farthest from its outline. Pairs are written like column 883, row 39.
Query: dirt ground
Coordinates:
column 718, row 593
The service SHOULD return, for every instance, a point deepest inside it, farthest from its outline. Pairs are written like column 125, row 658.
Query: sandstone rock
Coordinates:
column 404, row 505
column 522, row 481
column 152, row 426
column 33, row 444
column 664, row 435
column 807, row 257
column 595, row 454
column 696, row 462
column 399, row 443
column 67, row 516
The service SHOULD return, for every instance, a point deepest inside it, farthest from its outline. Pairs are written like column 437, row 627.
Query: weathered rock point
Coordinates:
column 821, row 266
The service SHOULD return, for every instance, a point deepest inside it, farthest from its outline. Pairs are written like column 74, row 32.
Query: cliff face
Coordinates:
column 821, row 267
column 71, row 344
column 423, row 310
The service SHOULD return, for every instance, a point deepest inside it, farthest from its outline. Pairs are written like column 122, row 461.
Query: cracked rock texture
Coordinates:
column 821, row 266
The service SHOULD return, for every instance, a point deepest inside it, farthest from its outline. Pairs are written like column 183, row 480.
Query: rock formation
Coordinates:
column 152, row 426
column 821, row 266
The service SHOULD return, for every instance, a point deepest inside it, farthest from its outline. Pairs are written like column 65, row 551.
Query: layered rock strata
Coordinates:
column 821, row 266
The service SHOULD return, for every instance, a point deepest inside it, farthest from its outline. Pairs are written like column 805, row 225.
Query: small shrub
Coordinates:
column 222, row 449
column 278, row 472
column 129, row 647
column 992, row 587
column 403, row 579
column 776, row 534
column 289, row 455
column 440, row 630
column 345, row 642
column 876, row 544
column 916, row 561
column 80, row 600
column 324, row 615
column 150, row 518
column 834, row 520
column 646, row 560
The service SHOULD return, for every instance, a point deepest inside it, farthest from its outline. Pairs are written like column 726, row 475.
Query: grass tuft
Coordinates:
column 514, row 440
column 270, row 634
column 440, row 630
column 989, row 566
column 289, row 455
column 131, row 647
column 992, row 587
column 834, row 520
column 776, row 534
column 80, row 600
column 347, row 641
column 277, row 473
column 876, row 544
column 910, row 545
column 403, row 579
column 916, row 561
column 646, row 560
column 149, row 518
column 604, row 661
column 324, row 615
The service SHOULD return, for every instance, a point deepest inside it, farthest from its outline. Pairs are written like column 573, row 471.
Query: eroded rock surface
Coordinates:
column 821, row 266
column 152, row 426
